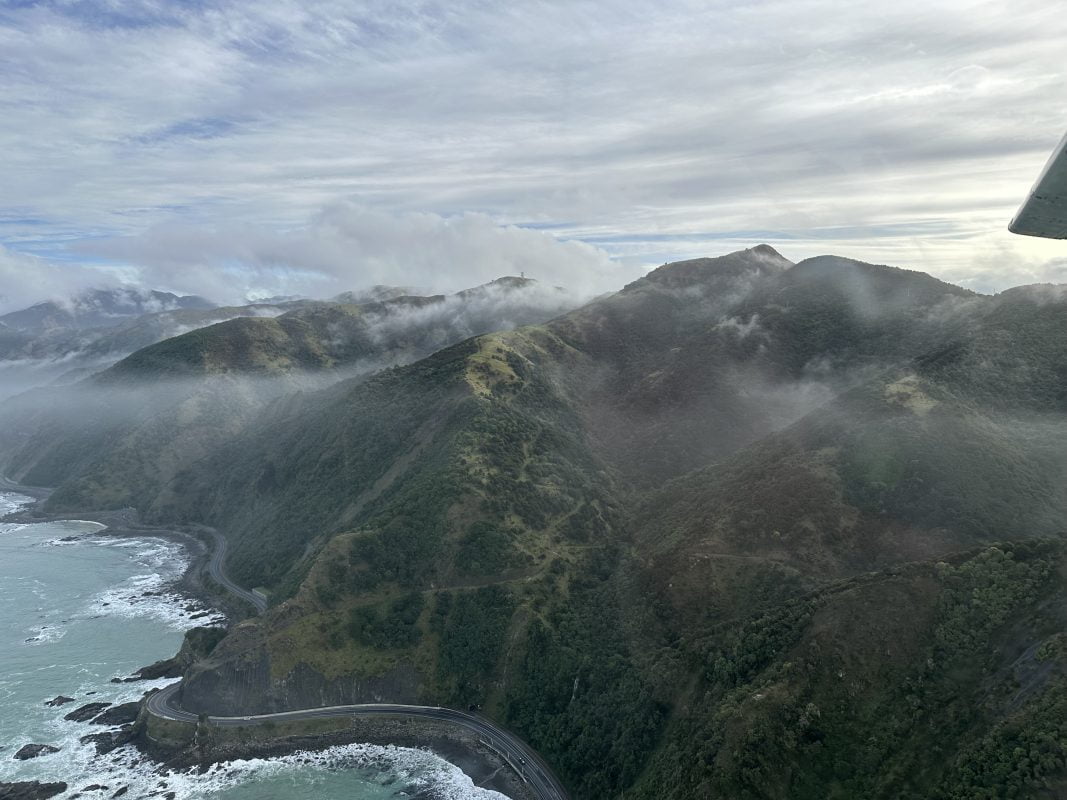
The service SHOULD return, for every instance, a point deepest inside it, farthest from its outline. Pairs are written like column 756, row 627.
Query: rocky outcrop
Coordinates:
column 61, row 700
column 122, row 714
column 86, row 712
column 108, row 740
column 30, row 790
column 197, row 644
column 28, row 751
column 238, row 680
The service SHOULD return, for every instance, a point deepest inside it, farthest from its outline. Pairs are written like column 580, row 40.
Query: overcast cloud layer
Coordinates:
column 283, row 147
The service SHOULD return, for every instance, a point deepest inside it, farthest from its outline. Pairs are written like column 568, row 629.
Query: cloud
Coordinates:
column 1001, row 264
column 486, row 308
column 25, row 280
column 742, row 330
column 906, row 132
column 350, row 247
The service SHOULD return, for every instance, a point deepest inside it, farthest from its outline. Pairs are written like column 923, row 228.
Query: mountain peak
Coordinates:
column 506, row 283
column 760, row 260
column 767, row 250
column 511, row 282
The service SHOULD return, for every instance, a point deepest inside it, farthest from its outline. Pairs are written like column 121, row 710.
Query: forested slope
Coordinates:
column 121, row 436
column 742, row 529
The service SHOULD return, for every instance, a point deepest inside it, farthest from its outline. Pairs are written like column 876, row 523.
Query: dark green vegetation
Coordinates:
column 915, row 682
column 743, row 529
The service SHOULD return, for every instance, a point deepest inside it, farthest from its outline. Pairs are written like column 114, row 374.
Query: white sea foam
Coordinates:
column 399, row 771
column 80, row 531
column 45, row 634
column 66, row 541
column 405, row 771
column 148, row 594
column 11, row 502
column 89, row 523
column 405, row 768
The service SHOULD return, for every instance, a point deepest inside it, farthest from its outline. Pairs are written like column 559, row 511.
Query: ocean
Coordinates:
column 76, row 610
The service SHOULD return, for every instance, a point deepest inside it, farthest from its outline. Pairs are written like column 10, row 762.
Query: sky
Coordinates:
column 253, row 149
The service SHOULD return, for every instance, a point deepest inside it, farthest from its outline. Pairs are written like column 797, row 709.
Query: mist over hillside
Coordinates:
column 126, row 430
column 743, row 528
column 63, row 341
column 65, row 353
column 98, row 308
column 621, row 401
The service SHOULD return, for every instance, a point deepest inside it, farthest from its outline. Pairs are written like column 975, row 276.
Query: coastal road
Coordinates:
column 36, row 492
column 217, row 567
column 530, row 767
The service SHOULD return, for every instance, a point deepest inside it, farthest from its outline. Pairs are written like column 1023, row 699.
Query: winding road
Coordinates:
column 36, row 492
column 217, row 567
column 527, row 764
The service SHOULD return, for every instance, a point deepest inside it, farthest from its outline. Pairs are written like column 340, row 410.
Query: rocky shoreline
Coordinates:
column 30, row 790
column 481, row 764
column 125, row 523
column 460, row 748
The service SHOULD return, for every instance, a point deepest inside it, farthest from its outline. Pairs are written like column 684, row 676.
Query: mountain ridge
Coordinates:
column 99, row 308
column 743, row 529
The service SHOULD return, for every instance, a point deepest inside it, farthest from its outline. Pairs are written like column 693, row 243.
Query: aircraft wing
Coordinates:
column 1045, row 211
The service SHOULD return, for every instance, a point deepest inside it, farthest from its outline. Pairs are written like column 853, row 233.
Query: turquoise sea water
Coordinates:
column 77, row 609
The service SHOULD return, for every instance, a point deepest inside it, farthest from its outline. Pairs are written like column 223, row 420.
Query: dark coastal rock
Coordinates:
column 108, row 740
column 167, row 668
column 30, row 790
column 86, row 712
column 34, row 750
column 120, row 791
column 198, row 644
column 96, row 787
column 61, row 700
column 118, row 715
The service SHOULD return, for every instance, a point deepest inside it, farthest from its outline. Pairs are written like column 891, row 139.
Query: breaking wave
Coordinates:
column 147, row 592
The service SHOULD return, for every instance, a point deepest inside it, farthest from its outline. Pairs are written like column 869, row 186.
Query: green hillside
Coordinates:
column 743, row 529
column 120, row 437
